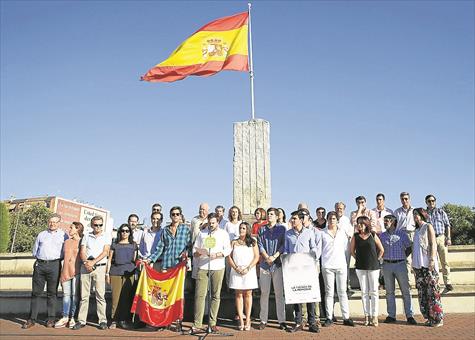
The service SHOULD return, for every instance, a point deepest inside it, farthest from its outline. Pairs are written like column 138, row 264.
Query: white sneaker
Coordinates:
column 71, row 323
column 61, row 322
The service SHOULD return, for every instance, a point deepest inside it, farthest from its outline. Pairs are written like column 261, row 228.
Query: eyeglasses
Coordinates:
column 176, row 214
column 125, row 231
column 97, row 225
column 156, row 209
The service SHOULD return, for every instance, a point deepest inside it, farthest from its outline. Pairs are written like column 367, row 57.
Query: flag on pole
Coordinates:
column 160, row 297
column 219, row 45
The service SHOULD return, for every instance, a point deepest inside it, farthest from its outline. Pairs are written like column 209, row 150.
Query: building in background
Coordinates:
column 70, row 211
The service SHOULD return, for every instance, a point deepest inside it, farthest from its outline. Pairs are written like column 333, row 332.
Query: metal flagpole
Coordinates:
column 251, row 69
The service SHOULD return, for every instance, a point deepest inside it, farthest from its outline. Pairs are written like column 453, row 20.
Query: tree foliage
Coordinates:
column 4, row 228
column 28, row 223
column 462, row 220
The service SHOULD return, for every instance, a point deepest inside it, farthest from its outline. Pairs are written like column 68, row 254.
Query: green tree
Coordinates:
column 4, row 228
column 28, row 223
column 462, row 220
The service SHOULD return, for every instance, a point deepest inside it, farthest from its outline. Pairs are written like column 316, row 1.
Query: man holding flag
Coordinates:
column 160, row 296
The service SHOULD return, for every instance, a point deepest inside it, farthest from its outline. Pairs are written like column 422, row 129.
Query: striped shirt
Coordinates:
column 395, row 244
column 439, row 220
column 170, row 247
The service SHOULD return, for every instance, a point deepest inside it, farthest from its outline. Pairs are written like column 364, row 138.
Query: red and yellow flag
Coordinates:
column 219, row 45
column 160, row 297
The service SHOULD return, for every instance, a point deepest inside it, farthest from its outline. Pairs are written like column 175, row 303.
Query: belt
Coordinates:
column 46, row 261
column 393, row 261
column 437, row 235
column 100, row 264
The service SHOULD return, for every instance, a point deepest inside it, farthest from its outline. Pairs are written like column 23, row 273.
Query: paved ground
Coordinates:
column 456, row 326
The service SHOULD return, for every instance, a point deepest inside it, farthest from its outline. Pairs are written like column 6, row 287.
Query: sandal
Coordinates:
column 240, row 327
column 247, row 328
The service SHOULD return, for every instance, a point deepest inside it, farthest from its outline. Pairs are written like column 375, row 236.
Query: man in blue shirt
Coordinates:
column 302, row 240
column 48, row 251
column 395, row 244
column 271, row 239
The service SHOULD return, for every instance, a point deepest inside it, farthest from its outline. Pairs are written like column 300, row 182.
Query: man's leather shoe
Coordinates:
column 78, row 326
column 390, row 319
column 261, row 326
column 349, row 322
column 50, row 323
column 283, row 326
column 296, row 328
column 411, row 321
column 314, row 328
column 328, row 323
column 103, row 326
column 28, row 324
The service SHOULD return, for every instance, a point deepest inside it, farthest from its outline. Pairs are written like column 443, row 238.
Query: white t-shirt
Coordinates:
column 232, row 229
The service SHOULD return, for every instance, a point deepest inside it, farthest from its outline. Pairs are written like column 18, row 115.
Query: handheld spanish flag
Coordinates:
column 160, row 297
column 219, row 45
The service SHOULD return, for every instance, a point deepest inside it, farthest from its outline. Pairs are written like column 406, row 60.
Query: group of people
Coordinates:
column 247, row 257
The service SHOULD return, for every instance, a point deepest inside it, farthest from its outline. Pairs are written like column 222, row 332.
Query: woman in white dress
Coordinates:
column 243, row 279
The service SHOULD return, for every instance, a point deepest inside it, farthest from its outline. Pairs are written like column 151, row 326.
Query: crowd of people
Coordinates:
column 387, row 247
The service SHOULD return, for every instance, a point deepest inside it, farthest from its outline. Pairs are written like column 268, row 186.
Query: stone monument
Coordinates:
column 251, row 165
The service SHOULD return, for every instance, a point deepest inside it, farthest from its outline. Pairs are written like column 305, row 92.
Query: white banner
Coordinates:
column 300, row 278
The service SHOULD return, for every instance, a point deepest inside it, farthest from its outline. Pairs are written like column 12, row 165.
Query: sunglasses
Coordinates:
column 125, row 231
column 97, row 225
column 431, row 201
column 176, row 214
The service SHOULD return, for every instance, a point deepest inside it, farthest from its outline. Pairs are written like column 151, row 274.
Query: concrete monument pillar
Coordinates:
column 251, row 165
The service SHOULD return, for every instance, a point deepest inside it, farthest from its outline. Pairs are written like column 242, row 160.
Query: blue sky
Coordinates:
column 363, row 97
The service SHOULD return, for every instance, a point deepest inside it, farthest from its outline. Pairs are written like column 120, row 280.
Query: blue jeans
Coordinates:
column 70, row 296
column 397, row 271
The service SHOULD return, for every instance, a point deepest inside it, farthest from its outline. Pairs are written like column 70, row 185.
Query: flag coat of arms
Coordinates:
column 219, row 45
column 160, row 297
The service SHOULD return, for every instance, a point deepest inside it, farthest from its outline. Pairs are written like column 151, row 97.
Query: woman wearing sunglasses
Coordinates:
column 120, row 275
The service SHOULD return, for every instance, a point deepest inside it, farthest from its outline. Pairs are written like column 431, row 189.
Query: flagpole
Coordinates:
column 251, row 68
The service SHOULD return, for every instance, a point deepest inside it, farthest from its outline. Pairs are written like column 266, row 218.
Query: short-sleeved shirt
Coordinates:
column 95, row 245
column 123, row 261
column 49, row 245
column 395, row 245
column 439, row 220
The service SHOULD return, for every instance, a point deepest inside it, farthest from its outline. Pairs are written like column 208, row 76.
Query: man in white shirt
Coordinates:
column 345, row 224
column 133, row 222
column 219, row 210
column 363, row 211
column 404, row 215
column 380, row 212
column 94, row 250
column 212, row 260
column 151, row 236
column 199, row 220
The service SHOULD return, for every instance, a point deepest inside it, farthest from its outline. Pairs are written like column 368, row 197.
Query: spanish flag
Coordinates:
column 160, row 297
column 219, row 45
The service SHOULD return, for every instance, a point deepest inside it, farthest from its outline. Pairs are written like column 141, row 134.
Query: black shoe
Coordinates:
column 328, row 323
column 349, row 322
column 410, row 321
column 334, row 319
column 124, row 325
column 283, row 326
column 28, row 324
column 103, row 326
column 261, row 326
column 79, row 326
column 296, row 328
column 314, row 328
column 350, row 293
column 390, row 319
column 449, row 287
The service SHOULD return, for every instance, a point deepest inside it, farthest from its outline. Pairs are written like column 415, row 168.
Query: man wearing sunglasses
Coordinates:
column 94, row 249
column 174, row 246
column 441, row 224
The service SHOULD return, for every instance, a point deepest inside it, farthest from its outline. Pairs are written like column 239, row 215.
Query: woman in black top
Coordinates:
column 120, row 272
column 367, row 249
